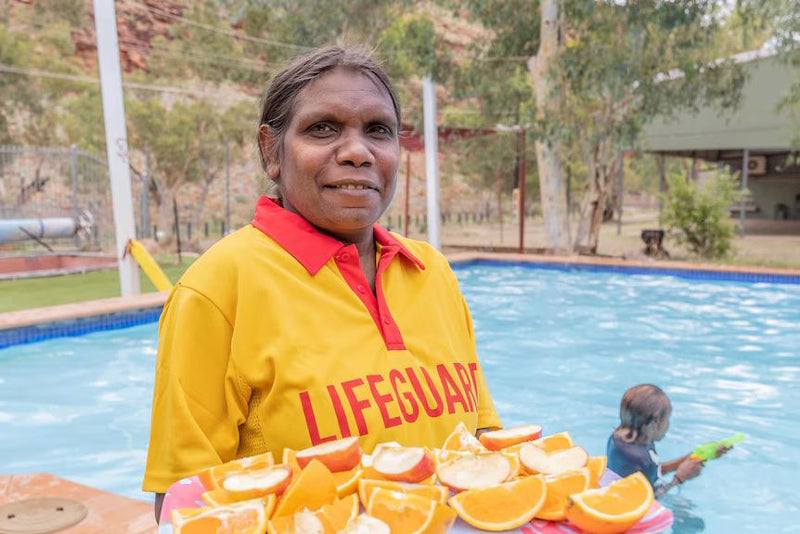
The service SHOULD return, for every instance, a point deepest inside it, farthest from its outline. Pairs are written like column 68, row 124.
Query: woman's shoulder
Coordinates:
column 225, row 258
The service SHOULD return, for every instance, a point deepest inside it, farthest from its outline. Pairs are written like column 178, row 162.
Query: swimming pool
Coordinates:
column 558, row 348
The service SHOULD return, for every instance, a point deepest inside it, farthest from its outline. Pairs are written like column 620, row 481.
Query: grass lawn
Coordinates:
column 26, row 293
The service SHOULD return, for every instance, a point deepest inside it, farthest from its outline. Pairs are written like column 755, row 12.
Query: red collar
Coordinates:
column 308, row 245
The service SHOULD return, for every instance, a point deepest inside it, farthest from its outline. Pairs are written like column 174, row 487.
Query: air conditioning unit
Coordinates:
column 757, row 165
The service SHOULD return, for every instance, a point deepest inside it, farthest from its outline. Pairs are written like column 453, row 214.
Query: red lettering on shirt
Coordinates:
column 356, row 405
column 381, row 400
column 311, row 420
column 473, row 370
column 463, row 377
column 396, row 376
column 432, row 412
column 341, row 418
column 451, row 392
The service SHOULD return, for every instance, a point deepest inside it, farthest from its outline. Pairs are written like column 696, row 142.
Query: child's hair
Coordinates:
column 641, row 405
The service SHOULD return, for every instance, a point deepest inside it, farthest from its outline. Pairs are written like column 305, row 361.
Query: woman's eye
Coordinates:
column 381, row 130
column 321, row 128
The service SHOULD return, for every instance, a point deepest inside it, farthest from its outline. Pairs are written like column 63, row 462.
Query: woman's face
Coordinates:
column 338, row 160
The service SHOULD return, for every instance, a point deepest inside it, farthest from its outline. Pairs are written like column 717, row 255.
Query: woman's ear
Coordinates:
column 268, row 143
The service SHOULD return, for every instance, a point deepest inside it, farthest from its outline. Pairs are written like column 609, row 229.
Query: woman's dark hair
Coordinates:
column 640, row 406
column 278, row 101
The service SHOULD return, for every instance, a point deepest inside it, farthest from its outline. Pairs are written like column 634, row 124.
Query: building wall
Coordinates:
column 768, row 192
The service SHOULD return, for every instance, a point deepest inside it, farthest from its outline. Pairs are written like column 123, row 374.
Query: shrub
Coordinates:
column 698, row 215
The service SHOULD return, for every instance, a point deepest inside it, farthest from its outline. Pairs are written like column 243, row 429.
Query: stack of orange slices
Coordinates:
column 499, row 482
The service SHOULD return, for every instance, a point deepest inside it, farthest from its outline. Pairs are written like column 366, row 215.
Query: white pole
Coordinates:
column 105, row 21
column 431, row 161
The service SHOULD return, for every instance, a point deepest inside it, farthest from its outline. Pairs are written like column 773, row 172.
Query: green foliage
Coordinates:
column 697, row 215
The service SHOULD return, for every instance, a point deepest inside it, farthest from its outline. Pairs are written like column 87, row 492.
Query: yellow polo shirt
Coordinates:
column 273, row 339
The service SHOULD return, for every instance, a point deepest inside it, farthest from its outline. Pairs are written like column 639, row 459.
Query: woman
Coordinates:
column 314, row 323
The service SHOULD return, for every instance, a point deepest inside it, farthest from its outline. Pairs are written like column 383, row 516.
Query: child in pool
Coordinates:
column 644, row 419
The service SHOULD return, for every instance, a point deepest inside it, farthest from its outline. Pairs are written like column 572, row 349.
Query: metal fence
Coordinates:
column 41, row 182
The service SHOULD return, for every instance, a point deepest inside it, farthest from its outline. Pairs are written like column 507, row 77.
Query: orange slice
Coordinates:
column 367, row 486
column 340, row 455
column 406, row 513
column 341, row 511
column 506, row 506
column 290, row 458
column 211, row 477
column 475, row 471
column 301, row 522
column 365, row 524
column 221, row 497
column 559, row 487
column 555, row 442
column 597, row 467
column 495, row 440
column 347, row 481
column 535, row 460
column 252, row 483
column 246, row 517
column 461, row 439
column 614, row 508
column 314, row 487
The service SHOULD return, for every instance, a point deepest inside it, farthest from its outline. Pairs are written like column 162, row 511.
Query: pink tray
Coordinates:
column 186, row 492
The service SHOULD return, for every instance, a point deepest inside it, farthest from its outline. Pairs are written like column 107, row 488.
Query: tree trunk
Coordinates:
column 552, row 186
column 602, row 167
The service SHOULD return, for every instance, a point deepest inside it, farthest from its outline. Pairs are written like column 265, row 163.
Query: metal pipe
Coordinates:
column 51, row 227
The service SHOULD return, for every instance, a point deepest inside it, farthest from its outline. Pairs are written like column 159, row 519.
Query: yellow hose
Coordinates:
column 149, row 265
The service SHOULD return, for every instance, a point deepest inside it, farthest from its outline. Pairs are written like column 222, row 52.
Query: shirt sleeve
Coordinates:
column 198, row 402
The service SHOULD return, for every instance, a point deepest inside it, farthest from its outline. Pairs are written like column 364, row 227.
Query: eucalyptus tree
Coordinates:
column 601, row 70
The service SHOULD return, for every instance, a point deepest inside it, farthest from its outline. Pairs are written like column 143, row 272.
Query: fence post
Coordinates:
column 73, row 160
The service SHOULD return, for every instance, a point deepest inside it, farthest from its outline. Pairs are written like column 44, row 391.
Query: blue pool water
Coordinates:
column 558, row 347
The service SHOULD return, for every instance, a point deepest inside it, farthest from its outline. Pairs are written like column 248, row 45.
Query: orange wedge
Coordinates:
column 461, row 439
column 314, row 487
column 559, row 487
column 495, row 440
column 614, row 508
column 211, row 477
column 365, row 524
column 367, row 486
column 290, row 458
column 406, row 513
column 341, row 511
column 246, row 517
column 555, row 442
column 506, row 506
column 301, row 522
column 597, row 467
column 347, row 481
column 221, row 497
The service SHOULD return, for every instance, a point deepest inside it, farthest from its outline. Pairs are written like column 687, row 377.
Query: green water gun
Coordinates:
column 708, row 451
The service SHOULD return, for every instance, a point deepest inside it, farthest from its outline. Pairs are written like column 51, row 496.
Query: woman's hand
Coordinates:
column 689, row 468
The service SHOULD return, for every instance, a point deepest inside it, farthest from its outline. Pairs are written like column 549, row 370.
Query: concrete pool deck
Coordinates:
column 109, row 512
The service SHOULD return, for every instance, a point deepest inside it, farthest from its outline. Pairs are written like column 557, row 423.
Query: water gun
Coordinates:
column 708, row 451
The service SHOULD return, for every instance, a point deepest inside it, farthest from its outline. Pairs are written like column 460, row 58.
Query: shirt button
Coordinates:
column 360, row 288
column 386, row 320
column 345, row 257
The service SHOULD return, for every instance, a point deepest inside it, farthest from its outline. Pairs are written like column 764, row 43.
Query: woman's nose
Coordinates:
column 354, row 150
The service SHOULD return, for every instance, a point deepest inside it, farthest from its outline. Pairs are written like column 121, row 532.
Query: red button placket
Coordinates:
column 348, row 263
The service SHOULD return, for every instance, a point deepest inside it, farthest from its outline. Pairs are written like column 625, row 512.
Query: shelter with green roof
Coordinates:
column 757, row 137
